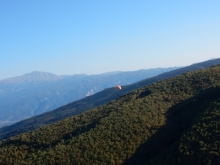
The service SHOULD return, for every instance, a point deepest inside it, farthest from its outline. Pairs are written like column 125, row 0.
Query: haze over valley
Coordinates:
column 34, row 93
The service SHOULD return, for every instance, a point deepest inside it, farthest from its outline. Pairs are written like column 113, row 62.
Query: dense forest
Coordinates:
column 174, row 121
column 87, row 103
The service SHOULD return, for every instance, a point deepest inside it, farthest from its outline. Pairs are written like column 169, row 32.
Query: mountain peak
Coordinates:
column 35, row 76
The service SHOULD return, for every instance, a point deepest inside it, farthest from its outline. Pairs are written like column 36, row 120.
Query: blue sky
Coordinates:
column 92, row 37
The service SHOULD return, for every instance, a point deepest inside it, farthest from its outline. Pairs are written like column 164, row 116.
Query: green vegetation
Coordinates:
column 171, row 121
column 90, row 102
column 199, row 143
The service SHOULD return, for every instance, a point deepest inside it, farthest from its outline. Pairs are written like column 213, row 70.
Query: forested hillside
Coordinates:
column 93, row 101
column 199, row 144
column 176, row 118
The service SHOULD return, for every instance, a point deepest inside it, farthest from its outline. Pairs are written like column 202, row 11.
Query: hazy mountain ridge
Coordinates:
column 95, row 100
column 34, row 76
column 130, row 130
column 38, row 92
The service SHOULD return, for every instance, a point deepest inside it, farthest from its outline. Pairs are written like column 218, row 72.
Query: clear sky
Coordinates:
column 97, row 36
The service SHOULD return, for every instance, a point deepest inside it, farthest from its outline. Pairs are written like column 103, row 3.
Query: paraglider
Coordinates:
column 118, row 87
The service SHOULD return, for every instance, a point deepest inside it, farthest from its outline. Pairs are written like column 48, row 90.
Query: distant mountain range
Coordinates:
column 38, row 92
column 172, row 118
column 31, row 77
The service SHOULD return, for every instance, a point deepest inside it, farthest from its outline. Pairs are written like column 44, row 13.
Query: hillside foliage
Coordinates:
column 87, row 103
column 177, row 116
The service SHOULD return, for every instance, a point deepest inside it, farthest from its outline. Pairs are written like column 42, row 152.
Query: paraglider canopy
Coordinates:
column 118, row 87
